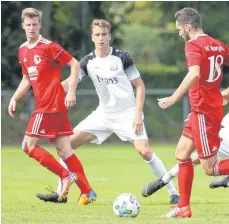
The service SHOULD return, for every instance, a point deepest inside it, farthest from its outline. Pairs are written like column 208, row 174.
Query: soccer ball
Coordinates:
column 126, row 205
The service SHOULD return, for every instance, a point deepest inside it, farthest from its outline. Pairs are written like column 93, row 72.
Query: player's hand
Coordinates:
column 225, row 96
column 12, row 107
column 166, row 102
column 225, row 101
column 138, row 125
column 70, row 99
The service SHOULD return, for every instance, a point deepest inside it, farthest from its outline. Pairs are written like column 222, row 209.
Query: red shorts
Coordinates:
column 49, row 125
column 204, row 129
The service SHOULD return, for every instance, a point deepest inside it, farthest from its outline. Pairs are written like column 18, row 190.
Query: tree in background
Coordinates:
column 145, row 29
column 67, row 23
column 150, row 37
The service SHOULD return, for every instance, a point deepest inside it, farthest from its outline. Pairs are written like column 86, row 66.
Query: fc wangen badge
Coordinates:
column 37, row 59
column 114, row 67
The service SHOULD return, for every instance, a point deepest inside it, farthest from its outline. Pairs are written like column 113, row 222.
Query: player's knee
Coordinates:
column 208, row 171
column 64, row 152
column 145, row 152
column 27, row 146
column 24, row 146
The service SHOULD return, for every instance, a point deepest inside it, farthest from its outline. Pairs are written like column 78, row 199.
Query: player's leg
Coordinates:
column 158, row 184
column 223, row 153
column 45, row 125
column 122, row 126
column 157, row 167
column 207, row 142
column 213, row 167
column 94, row 130
column 184, row 150
column 39, row 127
column 73, row 163
column 77, row 139
column 32, row 149
column 91, row 129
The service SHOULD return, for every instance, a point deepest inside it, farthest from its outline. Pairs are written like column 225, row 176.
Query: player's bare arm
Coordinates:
column 72, row 81
column 21, row 90
column 64, row 83
column 225, row 94
column 188, row 81
column 140, row 98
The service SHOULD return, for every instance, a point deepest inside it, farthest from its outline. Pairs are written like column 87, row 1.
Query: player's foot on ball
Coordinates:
column 66, row 184
column 183, row 212
column 86, row 199
column 152, row 187
column 174, row 200
column 53, row 197
column 222, row 182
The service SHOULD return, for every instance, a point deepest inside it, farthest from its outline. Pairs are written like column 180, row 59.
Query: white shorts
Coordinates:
column 104, row 125
column 223, row 152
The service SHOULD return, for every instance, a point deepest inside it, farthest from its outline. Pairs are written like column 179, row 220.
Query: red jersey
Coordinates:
column 42, row 62
column 210, row 55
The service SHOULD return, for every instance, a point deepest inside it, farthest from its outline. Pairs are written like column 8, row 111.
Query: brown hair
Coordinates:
column 188, row 16
column 100, row 23
column 31, row 13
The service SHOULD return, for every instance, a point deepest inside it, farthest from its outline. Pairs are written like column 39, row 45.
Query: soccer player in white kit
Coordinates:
column 113, row 73
column 223, row 153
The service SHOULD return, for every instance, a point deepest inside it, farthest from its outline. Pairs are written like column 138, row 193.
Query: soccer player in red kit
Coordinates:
column 205, row 58
column 41, row 61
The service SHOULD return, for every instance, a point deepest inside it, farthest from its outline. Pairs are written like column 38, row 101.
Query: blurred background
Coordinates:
column 146, row 30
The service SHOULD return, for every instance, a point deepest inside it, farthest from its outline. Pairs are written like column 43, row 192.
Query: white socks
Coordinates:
column 158, row 168
column 170, row 174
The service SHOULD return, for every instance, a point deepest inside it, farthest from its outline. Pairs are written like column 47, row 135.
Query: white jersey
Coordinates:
column 112, row 77
column 224, row 134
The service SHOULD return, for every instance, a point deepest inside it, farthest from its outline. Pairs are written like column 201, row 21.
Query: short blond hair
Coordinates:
column 31, row 13
column 100, row 23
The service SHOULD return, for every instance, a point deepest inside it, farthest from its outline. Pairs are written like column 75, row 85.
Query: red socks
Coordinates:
column 47, row 160
column 221, row 167
column 185, row 178
column 74, row 165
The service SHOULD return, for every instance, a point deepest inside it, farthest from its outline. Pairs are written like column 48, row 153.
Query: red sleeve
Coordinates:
column 23, row 68
column 56, row 52
column 193, row 54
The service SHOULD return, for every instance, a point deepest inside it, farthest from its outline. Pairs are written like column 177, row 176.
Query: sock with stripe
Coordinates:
column 185, row 178
column 47, row 160
column 74, row 165
column 221, row 167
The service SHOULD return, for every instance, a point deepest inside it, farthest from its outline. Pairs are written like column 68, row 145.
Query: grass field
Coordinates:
column 112, row 170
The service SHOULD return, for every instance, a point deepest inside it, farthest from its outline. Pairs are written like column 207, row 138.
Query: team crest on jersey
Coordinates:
column 114, row 67
column 37, row 59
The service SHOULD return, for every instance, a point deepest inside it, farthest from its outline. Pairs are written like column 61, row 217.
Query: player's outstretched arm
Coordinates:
column 70, row 99
column 186, row 84
column 21, row 90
